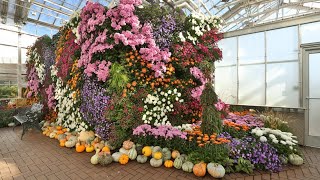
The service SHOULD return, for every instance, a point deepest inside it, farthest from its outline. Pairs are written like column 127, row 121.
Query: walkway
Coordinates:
column 39, row 157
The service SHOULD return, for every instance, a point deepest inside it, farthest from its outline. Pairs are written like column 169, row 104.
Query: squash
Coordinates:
column 157, row 155
column 58, row 128
column 124, row 151
column 116, row 156
column 84, row 136
column 168, row 163
column 156, row 149
column 216, row 170
column 187, row 166
column 178, row 163
column 133, row 154
column 62, row 136
column 142, row 159
column 89, row 148
column 106, row 149
column 62, row 142
column 71, row 142
column 124, row 159
column 80, row 147
column 107, row 143
column 52, row 135
column 200, row 169
column 175, row 154
column 146, row 151
column 295, row 159
column 127, row 144
column 95, row 158
column 104, row 159
column 166, row 154
column 99, row 145
column 155, row 163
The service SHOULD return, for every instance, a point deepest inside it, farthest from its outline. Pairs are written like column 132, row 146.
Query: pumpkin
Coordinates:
column 216, row 170
column 80, row 147
column 187, row 166
column 99, row 145
column 124, row 151
column 106, row 149
column 178, row 163
column 89, row 148
column 168, row 163
column 85, row 136
column 52, row 135
column 146, row 151
column 175, row 154
column 116, row 156
column 155, row 163
column 58, row 128
column 295, row 159
column 156, row 149
column 139, row 149
column 124, row 159
column 200, row 169
column 166, row 154
column 70, row 143
column 104, row 158
column 133, row 154
column 142, row 159
column 64, row 129
column 127, row 144
column 157, row 155
column 62, row 136
column 62, row 142
column 60, row 132
column 95, row 158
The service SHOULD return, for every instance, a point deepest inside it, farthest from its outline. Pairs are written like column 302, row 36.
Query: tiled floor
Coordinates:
column 38, row 157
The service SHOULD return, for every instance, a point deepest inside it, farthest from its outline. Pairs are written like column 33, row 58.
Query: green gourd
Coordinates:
column 166, row 154
column 104, row 159
column 295, row 159
column 155, row 163
column 95, row 158
column 133, row 154
column 187, row 166
column 178, row 163
column 142, row 159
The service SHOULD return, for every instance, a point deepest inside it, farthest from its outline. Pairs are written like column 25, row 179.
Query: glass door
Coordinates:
column 312, row 75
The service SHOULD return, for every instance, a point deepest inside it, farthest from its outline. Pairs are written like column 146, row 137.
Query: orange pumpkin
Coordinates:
column 80, row 147
column 62, row 142
column 58, row 128
column 106, row 149
column 200, row 169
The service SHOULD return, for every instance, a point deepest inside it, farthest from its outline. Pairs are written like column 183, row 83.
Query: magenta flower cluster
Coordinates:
column 163, row 131
column 101, row 69
column 197, row 91
column 33, row 83
column 222, row 106
column 50, row 95
column 94, row 16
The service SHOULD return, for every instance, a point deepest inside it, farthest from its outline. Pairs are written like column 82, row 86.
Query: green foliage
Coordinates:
column 209, row 153
column 6, row 117
column 239, row 134
column 244, row 166
column 8, row 91
column 211, row 121
column 118, row 78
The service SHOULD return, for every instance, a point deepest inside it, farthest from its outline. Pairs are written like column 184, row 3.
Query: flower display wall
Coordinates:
column 125, row 73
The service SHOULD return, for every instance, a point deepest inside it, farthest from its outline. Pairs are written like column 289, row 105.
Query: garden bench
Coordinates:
column 29, row 117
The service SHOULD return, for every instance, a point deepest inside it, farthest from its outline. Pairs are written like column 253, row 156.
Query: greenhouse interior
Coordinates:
column 159, row 89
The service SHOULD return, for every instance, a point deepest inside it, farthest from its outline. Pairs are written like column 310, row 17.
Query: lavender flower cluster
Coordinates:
column 261, row 154
column 164, row 33
column 94, row 103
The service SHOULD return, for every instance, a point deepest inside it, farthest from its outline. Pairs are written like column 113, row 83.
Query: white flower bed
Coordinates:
column 275, row 136
column 158, row 104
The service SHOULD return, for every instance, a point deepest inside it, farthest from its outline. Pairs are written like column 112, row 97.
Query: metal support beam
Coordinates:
column 43, row 23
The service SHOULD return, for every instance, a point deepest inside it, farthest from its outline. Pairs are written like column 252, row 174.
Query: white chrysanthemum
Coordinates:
column 263, row 139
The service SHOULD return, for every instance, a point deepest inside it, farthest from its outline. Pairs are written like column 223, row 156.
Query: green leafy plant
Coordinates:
column 209, row 153
column 6, row 117
column 244, row 166
column 8, row 91
column 118, row 78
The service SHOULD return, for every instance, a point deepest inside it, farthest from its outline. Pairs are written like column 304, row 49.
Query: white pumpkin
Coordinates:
column 52, row 135
column 84, row 136
column 216, row 170
column 187, row 166
column 155, row 163
column 142, row 159
column 95, row 158
column 124, row 151
column 295, row 159
column 116, row 156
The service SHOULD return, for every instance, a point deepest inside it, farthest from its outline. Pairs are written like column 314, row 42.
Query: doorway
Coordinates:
column 311, row 78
